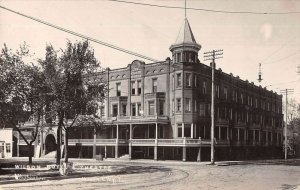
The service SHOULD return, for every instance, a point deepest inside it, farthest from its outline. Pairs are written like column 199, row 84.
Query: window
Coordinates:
column 133, row 109
column 102, row 110
column 179, row 129
column 161, row 107
column 154, row 85
column 225, row 93
column 178, row 103
column 8, row 148
column 124, row 109
column 196, row 80
column 151, row 107
column 139, row 87
column 173, row 106
column 139, row 107
column 178, row 79
column 217, row 91
column 187, row 130
column 202, row 109
column 195, row 108
column 204, row 87
column 242, row 98
column 114, row 110
column 188, row 105
column 178, row 57
column 133, row 87
column 188, row 81
column 173, row 82
column 118, row 89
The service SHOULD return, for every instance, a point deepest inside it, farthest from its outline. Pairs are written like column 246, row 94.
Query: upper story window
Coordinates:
column 225, row 93
column 133, row 87
column 178, row 55
column 242, row 98
column 173, row 81
column 118, row 89
column 188, row 79
column 202, row 109
column 114, row 110
column 178, row 104
column 151, row 106
column 196, row 80
column 139, row 87
column 217, row 91
column 179, row 80
column 133, row 109
column 204, row 87
column 188, row 105
column 154, row 85
column 124, row 106
column 139, row 109
column 102, row 111
column 161, row 107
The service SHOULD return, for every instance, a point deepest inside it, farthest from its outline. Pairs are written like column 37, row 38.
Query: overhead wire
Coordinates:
column 283, row 58
column 206, row 10
column 81, row 35
column 274, row 52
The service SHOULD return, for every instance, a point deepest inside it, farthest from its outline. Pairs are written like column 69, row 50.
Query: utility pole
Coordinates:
column 286, row 92
column 212, row 55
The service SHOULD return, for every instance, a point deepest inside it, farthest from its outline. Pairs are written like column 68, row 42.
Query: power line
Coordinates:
column 207, row 10
column 283, row 83
column 274, row 52
column 283, row 58
column 81, row 35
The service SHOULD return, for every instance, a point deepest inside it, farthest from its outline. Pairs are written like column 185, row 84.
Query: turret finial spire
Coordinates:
column 184, row 8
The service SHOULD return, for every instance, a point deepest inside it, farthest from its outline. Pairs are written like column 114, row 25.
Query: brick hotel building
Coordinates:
column 161, row 111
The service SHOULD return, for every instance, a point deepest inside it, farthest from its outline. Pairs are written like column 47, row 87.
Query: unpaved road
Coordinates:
column 176, row 175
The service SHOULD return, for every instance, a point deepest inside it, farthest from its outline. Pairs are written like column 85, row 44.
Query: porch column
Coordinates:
column 199, row 152
column 130, row 139
column 182, row 130
column 35, row 154
column 184, row 150
column 94, row 143
column 18, row 146
column 192, row 130
column 117, row 142
column 195, row 131
column 156, row 137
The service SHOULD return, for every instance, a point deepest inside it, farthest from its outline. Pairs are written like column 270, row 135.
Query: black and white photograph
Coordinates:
column 150, row 94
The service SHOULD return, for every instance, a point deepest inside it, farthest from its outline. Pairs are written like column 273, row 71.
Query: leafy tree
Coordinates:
column 20, row 93
column 73, row 86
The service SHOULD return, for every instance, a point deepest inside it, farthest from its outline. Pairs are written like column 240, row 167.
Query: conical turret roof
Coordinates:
column 185, row 36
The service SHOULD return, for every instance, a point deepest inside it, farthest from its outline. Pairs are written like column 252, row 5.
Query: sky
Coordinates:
column 246, row 39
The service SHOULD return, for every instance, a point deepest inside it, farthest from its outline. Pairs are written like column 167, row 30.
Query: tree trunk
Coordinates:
column 30, row 155
column 58, row 145
column 66, row 145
